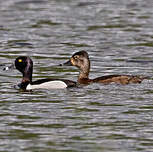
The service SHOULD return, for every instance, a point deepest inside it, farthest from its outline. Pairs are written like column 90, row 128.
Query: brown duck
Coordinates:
column 81, row 60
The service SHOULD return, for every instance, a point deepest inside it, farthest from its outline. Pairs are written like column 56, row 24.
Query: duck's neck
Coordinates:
column 27, row 76
column 84, row 71
column 83, row 74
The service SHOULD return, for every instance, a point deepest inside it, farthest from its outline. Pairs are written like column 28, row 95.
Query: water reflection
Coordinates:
column 91, row 118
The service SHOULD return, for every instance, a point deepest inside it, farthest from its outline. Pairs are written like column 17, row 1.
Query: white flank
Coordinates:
column 48, row 85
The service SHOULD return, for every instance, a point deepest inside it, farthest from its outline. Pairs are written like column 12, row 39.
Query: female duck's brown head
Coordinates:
column 81, row 60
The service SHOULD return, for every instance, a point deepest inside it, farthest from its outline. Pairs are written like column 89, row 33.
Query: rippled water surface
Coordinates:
column 118, row 35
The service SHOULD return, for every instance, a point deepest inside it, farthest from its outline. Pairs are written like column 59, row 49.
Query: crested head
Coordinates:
column 25, row 65
column 22, row 62
column 80, row 59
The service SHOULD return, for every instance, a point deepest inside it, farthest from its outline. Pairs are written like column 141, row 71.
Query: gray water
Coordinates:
column 118, row 35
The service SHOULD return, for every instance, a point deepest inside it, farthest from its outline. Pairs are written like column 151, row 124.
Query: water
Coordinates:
column 94, row 118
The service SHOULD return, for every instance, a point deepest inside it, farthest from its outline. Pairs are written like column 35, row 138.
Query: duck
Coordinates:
column 81, row 60
column 24, row 64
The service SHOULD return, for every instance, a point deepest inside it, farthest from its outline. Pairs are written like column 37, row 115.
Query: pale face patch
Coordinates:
column 48, row 85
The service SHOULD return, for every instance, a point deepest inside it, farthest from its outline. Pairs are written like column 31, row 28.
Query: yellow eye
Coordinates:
column 20, row 60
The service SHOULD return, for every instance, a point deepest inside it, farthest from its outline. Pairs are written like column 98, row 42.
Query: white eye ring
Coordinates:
column 76, row 57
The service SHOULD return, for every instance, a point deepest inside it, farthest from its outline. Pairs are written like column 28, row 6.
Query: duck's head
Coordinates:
column 79, row 59
column 24, row 64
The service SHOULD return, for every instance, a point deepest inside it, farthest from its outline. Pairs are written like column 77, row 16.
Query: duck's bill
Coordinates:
column 68, row 63
column 9, row 67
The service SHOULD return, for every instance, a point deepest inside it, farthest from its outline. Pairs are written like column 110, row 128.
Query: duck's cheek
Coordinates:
column 72, row 61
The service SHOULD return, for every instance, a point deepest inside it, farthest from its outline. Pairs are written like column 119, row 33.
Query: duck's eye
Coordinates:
column 20, row 60
column 76, row 57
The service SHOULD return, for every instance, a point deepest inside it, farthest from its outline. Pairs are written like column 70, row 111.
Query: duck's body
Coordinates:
column 120, row 79
column 25, row 65
column 46, row 84
column 81, row 60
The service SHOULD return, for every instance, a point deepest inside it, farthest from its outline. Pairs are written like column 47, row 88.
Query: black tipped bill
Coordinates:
column 68, row 63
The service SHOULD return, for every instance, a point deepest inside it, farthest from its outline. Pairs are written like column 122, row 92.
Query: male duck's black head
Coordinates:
column 25, row 65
